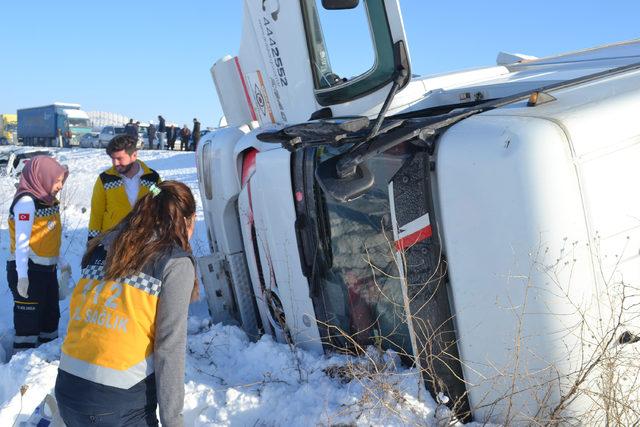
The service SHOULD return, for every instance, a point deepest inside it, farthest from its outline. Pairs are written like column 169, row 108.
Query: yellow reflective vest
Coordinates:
column 109, row 203
column 111, row 330
column 46, row 232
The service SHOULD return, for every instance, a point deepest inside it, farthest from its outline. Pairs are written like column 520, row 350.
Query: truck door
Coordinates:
column 289, row 66
column 355, row 80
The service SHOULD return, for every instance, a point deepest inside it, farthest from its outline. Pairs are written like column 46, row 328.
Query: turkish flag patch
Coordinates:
column 23, row 217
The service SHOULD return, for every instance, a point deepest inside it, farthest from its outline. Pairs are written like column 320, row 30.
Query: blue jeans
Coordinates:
column 83, row 403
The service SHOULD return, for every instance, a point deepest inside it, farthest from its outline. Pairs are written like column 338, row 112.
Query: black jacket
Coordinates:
column 161, row 125
column 151, row 132
column 196, row 131
column 130, row 129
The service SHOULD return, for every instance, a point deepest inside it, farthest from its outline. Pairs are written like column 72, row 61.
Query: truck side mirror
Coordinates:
column 339, row 4
column 343, row 189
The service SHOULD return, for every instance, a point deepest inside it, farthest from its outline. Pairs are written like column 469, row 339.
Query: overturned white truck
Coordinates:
column 484, row 224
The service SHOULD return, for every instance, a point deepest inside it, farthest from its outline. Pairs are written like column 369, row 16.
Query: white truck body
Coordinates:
column 541, row 235
column 519, row 229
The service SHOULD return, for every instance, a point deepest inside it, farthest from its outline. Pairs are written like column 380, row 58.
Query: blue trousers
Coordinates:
column 35, row 318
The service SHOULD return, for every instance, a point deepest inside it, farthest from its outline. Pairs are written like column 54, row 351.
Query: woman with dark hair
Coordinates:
column 125, row 346
column 35, row 233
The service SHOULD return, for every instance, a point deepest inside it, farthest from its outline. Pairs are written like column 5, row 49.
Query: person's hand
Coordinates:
column 64, row 282
column 64, row 266
column 23, row 287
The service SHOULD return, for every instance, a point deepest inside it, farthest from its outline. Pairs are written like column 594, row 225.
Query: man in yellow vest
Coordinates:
column 118, row 188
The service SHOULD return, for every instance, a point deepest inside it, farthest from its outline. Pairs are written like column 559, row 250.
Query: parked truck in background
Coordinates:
column 51, row 125
column 484, row 224
column 8, row 128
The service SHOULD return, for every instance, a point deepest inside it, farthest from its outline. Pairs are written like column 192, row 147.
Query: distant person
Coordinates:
column 35, row 232
column 137, row 136
column 118, row 188
column 162, row 135
column 59, row 138
column 185, row 133
column 171, row 137
column 119, row 368
column 151, row 135
column 130, row 129
column 195, row 134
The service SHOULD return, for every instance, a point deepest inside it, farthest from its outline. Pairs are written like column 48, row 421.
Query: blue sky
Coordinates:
column 143, row 58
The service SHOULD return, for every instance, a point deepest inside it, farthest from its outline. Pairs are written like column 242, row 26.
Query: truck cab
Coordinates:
column 75, row 123
column 475, row 222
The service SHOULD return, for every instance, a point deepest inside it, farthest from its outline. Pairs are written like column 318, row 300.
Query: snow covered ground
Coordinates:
column 229, row 379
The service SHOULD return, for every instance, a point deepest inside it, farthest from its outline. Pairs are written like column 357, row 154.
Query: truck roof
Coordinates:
column 55, row 104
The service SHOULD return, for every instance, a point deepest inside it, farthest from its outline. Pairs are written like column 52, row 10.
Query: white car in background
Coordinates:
column 90, row 140
column 107, row 133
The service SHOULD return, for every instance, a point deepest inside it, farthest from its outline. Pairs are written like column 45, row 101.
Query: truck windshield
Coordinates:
column 11, row 127
column 366, row 64
column 359, row 290
column 79, row 123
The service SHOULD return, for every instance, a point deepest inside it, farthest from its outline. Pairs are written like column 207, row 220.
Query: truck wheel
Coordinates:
column 4, row 141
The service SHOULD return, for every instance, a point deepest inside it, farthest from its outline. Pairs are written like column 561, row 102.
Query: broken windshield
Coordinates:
column 359, row 290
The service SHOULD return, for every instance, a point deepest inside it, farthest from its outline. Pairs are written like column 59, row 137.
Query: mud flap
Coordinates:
column 229, row 293
column 425, row 292
column 219, row 298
